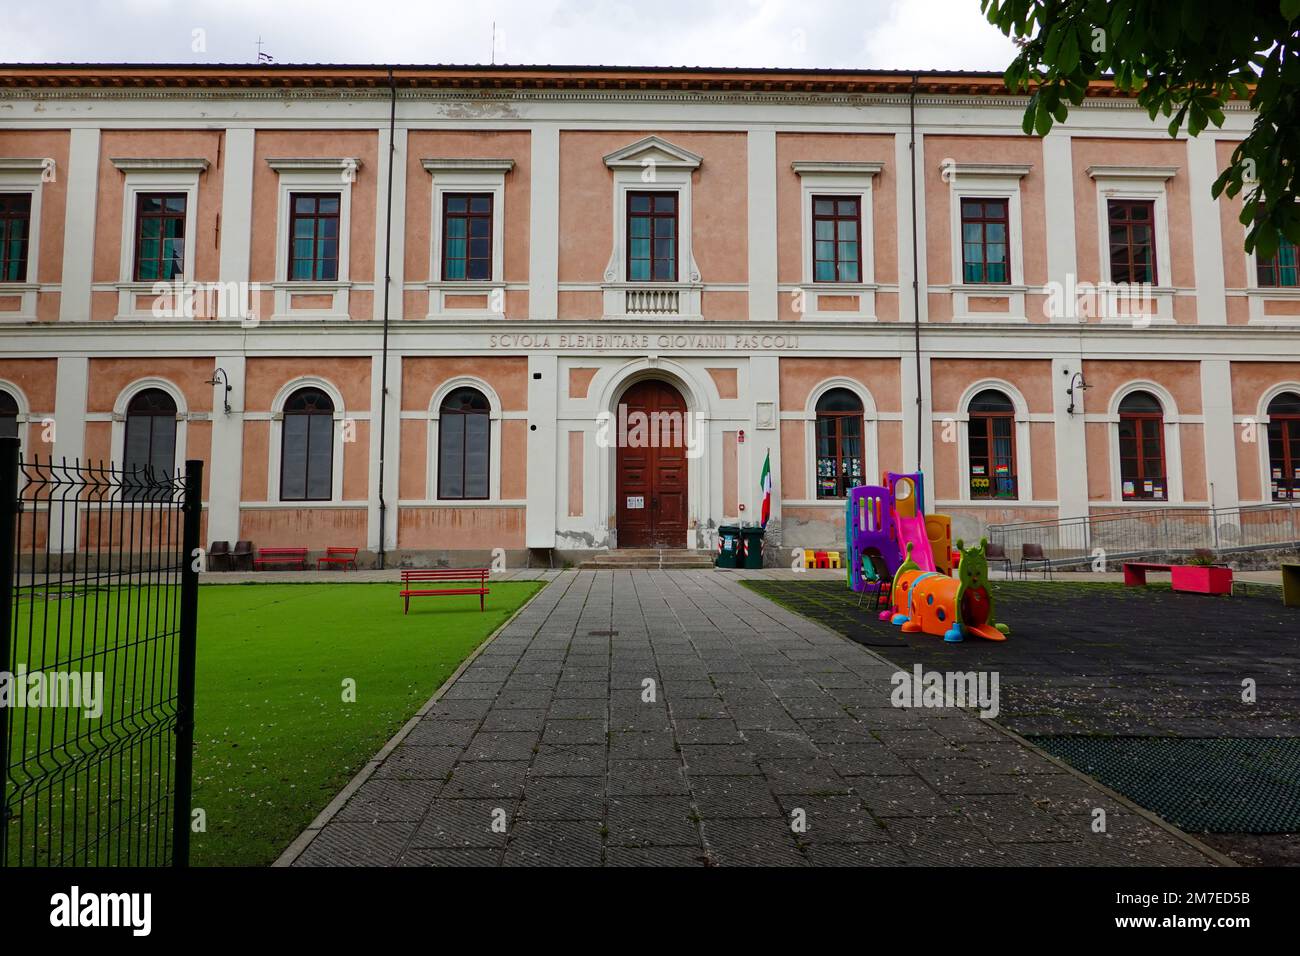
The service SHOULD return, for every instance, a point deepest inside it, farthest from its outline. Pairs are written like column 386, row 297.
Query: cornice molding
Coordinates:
column 135, row 164
column 467, row 165
column 831, row 168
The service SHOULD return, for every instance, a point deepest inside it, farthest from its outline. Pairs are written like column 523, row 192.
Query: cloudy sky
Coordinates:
column 874, row 34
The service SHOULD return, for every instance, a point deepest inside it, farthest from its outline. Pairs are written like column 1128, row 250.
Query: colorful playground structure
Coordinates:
column 883, row 520
column 889, row 536
column 948, row 607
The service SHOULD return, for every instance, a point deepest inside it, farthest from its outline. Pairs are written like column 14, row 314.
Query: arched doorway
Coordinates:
column 650, row 465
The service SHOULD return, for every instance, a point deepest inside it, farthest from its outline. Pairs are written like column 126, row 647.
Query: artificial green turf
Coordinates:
column 274, row 739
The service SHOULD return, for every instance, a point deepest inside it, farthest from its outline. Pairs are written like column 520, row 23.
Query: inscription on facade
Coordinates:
column 642, row 341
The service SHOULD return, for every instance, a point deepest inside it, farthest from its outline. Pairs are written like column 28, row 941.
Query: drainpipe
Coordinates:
column 388, row 281
column 916, row 279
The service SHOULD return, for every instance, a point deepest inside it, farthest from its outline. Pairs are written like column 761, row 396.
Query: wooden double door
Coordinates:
column 650, row 462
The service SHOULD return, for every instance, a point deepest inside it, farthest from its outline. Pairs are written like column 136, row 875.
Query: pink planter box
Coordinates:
column 1201, row 579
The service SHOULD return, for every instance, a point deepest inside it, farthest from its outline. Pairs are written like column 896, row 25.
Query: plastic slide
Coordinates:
column 911, row 531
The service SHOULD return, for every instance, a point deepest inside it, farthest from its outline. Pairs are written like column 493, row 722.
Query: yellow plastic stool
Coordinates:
column 833, row 559
column 809, row 558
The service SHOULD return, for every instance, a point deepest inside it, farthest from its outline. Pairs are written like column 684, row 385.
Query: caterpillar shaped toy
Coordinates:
column 951, row 608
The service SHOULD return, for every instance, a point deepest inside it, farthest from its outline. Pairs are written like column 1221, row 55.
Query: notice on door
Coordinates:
column 635, row 502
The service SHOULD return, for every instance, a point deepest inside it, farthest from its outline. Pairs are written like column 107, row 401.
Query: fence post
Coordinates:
column 192, row 509
column 8, row 556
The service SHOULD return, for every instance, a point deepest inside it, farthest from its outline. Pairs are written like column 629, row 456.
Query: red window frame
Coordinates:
column 163, row 216
column 658, row 212
column 469, row 217
column 1133, row 467
column 319, row 262
column 15, row 239
column 1273, row 273
column 1284, row 454
column 1124, row 261
column 835, row 217
column 985, row 422
column 983, row 221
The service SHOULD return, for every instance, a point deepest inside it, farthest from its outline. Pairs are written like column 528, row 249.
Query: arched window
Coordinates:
column 150, row 433
column 8, row 415
column 1284, row 446
column 307, row 447
column 1142, row 447
column 839, row 443
column 991, row 447
column 464, row 445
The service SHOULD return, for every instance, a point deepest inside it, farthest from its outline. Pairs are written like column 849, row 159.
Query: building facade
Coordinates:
column 430, row 317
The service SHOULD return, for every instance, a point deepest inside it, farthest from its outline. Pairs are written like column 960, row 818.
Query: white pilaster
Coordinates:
column 903, row 198
column 226, row 460
column 1220, row 435
column 397, row 255
column 1207, row 234
column 392, row 459
column 1071, row 451
column 236, row 207
column 543, row 450
column 79, row 227
column 1058, row 191
column 71, row 388
column 761, row 192
column 544, row 233
column 764, row 386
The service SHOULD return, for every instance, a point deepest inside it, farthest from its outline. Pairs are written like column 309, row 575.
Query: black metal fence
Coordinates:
column 98, row 603
column 1170, row 530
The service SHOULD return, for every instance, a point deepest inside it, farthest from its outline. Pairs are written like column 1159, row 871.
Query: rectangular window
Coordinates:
column 837, row 246
column 1132, row 240
column 159, row 236
column 1142, row 457
column 15, row 226
column 467, row 236
column 1279, row 270
column 307, row 458
column 314, row 237
column 992, row 456
column 652, row 237
column 984, row 241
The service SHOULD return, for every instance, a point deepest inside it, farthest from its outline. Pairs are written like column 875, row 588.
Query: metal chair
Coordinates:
column 241, row 559
column 880, row 586
column 1032, row 554
column 219, row 556
column 997, row 554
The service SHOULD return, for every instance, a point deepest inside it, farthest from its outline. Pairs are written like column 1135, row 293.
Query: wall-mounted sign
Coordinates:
column 635, row 502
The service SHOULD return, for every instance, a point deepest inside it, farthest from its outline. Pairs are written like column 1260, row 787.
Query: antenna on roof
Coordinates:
column 263, row 57
column 493, row 58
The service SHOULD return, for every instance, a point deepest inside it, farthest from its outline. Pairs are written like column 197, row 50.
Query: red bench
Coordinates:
column 1197, row 578
column 281, row 557
column 474, row 581
column 341, row 556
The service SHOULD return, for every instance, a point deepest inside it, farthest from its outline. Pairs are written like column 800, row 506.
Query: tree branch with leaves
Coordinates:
column 1184, row 60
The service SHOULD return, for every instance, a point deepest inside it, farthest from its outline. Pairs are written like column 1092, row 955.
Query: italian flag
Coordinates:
column 765, row 483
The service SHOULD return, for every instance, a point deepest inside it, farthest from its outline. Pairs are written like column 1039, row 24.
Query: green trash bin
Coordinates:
column 730, row 553
column 753, row 547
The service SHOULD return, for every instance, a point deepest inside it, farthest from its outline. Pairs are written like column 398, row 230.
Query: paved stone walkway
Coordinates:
column 544, row 752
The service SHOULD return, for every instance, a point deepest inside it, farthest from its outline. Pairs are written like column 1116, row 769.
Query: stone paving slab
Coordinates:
column 674, row 718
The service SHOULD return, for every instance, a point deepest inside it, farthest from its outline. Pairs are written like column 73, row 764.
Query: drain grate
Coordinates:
column 1205, row 785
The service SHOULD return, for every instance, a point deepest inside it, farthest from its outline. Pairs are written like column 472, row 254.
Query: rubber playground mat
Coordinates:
column 1232, row 785
column 1117, row 679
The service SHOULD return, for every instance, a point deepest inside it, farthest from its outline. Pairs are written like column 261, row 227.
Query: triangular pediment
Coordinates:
column 652, row 150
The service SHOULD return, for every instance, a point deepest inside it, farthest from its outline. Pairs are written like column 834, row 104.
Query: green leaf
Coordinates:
column 1290, row 9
